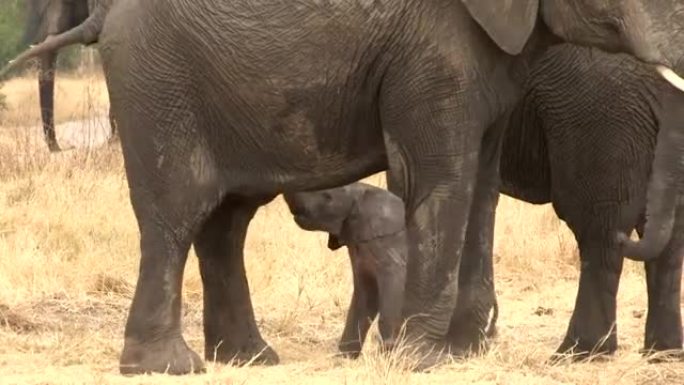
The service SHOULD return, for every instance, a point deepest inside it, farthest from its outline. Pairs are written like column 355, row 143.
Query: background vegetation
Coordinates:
column 12, row 19
column 12, row 16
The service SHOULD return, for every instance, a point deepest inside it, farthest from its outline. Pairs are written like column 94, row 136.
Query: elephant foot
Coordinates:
column 423, row 354
column 429, row 356
column 171, row 356
column 664, row 352
column 256, row 354
column 350, row 349
column 387, row 345
column 468, row 344
column 54, row 147
column 663, row 356
column 663, row 337
column 579, row 350
column 474, row 321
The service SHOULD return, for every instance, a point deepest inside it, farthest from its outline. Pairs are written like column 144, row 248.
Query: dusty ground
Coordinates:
column 68, row 263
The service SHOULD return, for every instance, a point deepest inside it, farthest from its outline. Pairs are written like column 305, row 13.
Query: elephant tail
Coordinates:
column 84, row 33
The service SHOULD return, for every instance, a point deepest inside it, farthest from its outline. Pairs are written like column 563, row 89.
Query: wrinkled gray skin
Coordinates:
column 583, row 137
column 370, row 221
column 220, row 106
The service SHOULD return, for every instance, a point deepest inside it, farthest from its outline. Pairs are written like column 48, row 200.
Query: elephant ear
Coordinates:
column 334, row 242
column 508, row 22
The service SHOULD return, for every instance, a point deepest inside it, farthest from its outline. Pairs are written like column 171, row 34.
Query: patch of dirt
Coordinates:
column 60, row 313
column 540, row 311
column 16, row 322
column 102, row 312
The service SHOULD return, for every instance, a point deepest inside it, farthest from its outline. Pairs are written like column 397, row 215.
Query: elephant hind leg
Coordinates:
column 664, row 280
column 153, row 338
column 593, row 328
column 230, row 330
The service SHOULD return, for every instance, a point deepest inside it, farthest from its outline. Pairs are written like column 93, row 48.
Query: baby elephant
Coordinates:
column 370, row 222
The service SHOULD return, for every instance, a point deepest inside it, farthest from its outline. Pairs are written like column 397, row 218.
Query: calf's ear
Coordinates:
column 334, row 242
column 509, row 23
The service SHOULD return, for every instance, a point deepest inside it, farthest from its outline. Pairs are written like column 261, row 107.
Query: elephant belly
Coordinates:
column 268, row 109
column 298, row 144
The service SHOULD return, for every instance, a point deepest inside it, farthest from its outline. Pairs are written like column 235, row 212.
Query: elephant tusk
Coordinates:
column 671, row 77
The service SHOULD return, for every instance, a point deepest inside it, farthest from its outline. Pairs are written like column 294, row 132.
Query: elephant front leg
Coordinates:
column 433, row 143
column 592, row 329
column 435, row 237
column 230, row 330
column 153, row 339
column 473, row 317
column 664, row 280
column 362, row 309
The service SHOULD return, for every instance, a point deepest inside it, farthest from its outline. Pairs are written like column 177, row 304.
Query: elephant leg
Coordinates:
column 230, row 330
column 362, row 310
column 592, row 329
column 472, row 320
column 664, row 280
column 153, row 338
column 391, row 279
column 433, row 143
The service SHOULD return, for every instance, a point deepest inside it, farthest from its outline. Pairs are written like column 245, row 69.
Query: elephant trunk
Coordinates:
column 664, row 194
column 46, row 87
column 84, row 33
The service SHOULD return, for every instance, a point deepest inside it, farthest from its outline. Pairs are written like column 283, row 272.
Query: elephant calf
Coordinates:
column 370, row 221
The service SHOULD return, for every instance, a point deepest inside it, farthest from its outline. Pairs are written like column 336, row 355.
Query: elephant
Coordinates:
column 221, row 106
column 583, row 137
column 45, row 18
column 371, row 222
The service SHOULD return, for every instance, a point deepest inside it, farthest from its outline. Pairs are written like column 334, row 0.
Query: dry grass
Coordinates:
column 68, row 263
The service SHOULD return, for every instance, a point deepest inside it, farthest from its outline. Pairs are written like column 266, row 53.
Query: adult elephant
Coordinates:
column 222, row 105
column 582, row 137
column 48, row 18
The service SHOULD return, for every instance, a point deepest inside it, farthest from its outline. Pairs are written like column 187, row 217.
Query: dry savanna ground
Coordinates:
column 69, row 258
